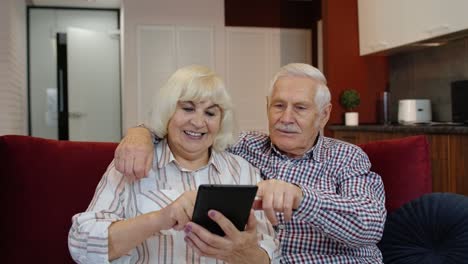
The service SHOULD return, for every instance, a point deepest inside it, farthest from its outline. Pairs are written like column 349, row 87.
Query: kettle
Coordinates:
column 414, row 111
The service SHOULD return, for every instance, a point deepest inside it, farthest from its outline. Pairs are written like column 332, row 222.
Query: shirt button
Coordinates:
column 281, row 226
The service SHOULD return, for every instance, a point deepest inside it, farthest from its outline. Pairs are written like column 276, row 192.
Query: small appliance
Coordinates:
column 459, row 101
column 414, row 111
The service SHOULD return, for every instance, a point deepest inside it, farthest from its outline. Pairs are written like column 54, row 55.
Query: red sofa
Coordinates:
column 45, row 182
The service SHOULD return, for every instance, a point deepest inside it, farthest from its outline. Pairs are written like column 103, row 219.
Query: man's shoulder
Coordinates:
column 339, row 147
column 250, row 143
column 227, row 159
column 254, row 138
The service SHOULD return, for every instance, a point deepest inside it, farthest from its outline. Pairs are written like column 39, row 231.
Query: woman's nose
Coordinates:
column 197, row 120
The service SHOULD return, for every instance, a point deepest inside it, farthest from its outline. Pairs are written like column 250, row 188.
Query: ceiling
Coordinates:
column 78, row 3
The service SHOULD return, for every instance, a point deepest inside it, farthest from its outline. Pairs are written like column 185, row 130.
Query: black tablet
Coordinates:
column 233, row 201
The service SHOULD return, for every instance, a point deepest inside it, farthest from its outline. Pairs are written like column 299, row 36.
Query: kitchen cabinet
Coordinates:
column 449, row 155
column 385, row 24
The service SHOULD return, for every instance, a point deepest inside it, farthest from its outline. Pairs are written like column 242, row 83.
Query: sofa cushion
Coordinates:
column 405, row 167
column 430, row 229
column 44, row 183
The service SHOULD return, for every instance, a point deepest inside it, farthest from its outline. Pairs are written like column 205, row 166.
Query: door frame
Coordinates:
column 28, row 69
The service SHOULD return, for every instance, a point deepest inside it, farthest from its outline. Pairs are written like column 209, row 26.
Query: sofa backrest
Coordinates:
column 44, row 183
column 405, row 167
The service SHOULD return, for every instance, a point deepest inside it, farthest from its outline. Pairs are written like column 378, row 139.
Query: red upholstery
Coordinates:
column 405, row 167
column 45, row 182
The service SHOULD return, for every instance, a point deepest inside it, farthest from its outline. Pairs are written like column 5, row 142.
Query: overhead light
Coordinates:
column 429, row 44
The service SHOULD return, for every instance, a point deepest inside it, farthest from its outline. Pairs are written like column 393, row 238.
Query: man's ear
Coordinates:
column 267, row 103
column 325, row 115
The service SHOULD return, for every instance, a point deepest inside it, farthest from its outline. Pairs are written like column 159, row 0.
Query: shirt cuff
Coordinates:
column 271, row 249
column 310, row 205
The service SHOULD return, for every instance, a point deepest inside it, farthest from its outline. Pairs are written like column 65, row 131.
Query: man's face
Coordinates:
column 294, row 118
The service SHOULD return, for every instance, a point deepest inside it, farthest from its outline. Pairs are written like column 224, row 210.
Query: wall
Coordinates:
column 13, row 101
column 169, row 12
column 427, row 74
column 343, row 66
column 245, row 57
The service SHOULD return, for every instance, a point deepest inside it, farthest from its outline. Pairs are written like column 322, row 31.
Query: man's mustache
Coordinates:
column 290, row 128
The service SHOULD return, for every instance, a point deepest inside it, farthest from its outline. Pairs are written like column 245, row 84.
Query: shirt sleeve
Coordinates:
column 267, row 238
column 355, row 214
column 265, row 232
column 88, row 236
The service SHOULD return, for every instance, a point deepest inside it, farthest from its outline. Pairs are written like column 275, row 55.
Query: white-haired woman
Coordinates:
column 145, row 221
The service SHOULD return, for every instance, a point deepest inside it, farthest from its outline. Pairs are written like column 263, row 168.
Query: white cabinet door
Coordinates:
column 380, row 24
column 387, row 24
column 253, row 56
column 161, row 51
column 248, row 63
column 367, row 18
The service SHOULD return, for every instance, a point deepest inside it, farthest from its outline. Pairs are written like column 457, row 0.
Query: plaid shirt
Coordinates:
column 342, row 214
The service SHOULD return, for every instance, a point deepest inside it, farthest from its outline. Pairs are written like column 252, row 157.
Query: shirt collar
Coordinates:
column 164, row 156
column 313, row 153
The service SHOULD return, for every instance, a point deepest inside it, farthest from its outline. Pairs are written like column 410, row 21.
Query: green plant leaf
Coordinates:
column 350, row 99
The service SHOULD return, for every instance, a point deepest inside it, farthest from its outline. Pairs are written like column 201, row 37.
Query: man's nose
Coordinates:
column 287, row 116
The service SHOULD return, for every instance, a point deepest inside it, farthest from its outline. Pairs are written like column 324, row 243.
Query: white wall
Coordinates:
column 13, row 101
column 200, row 13
column 247, row 58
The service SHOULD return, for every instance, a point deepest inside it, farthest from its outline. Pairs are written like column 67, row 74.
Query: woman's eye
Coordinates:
column 188, row 109
column 210, row 113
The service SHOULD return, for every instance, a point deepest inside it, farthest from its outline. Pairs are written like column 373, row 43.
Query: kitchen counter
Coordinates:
column 423, row 129
column 448, row 147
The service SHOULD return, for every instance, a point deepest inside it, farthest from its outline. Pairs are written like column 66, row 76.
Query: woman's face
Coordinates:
column 193, row 128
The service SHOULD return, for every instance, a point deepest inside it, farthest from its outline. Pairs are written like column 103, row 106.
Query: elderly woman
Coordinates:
column 148, row 220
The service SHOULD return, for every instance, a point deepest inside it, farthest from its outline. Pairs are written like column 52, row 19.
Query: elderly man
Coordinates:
column 319, row 193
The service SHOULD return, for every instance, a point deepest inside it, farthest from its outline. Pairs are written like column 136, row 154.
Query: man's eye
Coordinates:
column 301, row 107
column 278, row 105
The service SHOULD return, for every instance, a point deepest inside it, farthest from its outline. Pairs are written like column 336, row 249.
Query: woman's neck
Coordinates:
column 191, row 163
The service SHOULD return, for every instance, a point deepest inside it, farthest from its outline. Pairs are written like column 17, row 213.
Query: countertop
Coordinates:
column 424, row 128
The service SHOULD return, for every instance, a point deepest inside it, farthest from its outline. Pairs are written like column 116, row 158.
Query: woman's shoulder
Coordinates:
column 237, row 167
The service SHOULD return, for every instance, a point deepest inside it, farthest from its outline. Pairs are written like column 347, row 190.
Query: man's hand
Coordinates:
column 134, row 155
column 234, row 247
column 278, row 196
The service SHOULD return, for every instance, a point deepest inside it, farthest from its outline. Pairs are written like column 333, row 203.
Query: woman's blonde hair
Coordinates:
column 194, row 83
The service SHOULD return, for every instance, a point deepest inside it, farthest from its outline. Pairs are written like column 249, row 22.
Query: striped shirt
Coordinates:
column 342, row 214
column 115, row 199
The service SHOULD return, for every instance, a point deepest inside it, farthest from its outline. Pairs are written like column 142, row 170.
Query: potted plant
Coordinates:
column 350, row 99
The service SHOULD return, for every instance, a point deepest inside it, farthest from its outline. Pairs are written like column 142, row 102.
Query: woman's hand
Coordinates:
column 179, row 212
column 235, row 247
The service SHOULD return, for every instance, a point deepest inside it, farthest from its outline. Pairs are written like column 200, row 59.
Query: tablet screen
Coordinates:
column 233, row 201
